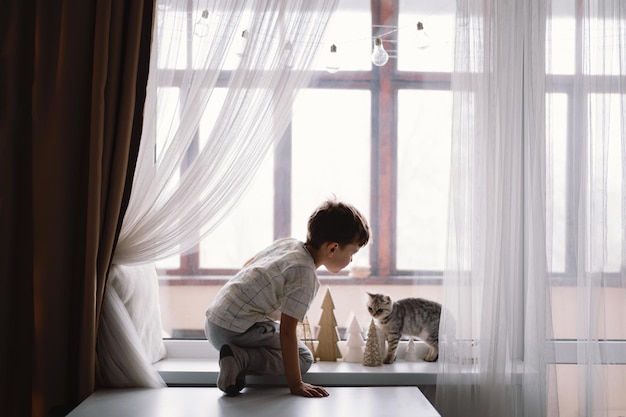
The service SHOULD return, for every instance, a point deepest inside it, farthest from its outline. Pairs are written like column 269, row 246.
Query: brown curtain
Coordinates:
column 72, row 88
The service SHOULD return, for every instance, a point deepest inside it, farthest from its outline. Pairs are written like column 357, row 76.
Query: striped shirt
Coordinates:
column 279, row 279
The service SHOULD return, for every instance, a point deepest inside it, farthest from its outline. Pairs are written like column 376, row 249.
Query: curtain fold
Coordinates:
column 538, row 204
column 204, row 142
column 17, row 48
column 496, row 286
column 600, row 205
column 77, row 86
column 219, row 97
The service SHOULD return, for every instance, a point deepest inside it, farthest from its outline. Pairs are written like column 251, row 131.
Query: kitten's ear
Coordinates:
column 387, row 298
column 370, row 294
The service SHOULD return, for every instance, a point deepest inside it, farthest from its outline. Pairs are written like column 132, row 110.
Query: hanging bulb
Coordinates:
column 332, row 60
column 201, row 28
column 422, row 40
column 288, row 54
column 379, row 55
column 241, row 43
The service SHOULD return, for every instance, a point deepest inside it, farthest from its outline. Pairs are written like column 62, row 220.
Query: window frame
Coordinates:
column 383, row 83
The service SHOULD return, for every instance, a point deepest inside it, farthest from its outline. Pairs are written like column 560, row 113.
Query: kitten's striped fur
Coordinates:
column 416, row 317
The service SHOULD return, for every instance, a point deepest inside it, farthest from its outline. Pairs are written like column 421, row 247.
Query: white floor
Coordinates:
column 256, row 402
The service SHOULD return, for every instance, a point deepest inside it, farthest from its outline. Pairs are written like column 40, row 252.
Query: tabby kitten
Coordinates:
column 416, row 317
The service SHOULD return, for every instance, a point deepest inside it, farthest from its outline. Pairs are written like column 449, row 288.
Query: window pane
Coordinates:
column 350, row 30
column 330, row 154
column 172, row 54
column 167, row 123
column 247, row 229
column 168, row 117
column 560, row 50
column 603, row 40
column 605, row 135
column 557, row 168
column 424, row 128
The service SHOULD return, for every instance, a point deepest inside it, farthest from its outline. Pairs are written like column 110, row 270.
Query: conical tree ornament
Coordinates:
column 354, row 342
column 371, row 357
column 305, row 334
column 327, row 338
column 411, row 352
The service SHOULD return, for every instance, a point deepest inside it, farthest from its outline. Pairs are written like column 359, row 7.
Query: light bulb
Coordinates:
column 422, row 40
column 201, row 28
column 379, row 55
column 241, row 43
column 288, row 54
column 332, row 60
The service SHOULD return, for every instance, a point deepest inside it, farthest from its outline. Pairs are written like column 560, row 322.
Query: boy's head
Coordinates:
column 334, row 221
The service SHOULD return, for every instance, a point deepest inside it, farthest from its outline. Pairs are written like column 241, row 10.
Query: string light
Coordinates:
column 379, row 55
column 333, row 60
column 422, row 40
column 201, row 28
column 241, row 44
column 288, row 54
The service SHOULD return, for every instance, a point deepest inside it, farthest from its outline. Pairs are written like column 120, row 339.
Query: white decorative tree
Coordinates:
column 372, row 357
column 411, row 352
column 327, row 338
column 354, row 342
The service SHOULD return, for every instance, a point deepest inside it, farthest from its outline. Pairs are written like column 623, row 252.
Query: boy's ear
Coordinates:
column 331, row 248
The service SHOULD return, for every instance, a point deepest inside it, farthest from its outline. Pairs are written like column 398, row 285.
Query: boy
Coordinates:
column 279, row 283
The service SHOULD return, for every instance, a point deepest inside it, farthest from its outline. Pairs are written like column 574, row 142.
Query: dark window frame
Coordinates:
column 383, row 83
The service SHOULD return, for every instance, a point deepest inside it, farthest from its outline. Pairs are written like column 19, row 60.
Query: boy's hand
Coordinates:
column 289, row 346
column 308, row 390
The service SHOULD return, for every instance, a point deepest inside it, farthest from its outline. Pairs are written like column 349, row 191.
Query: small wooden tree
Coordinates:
column 371, row 357
column 305, row 334
column 354, row 342
column 327, row 338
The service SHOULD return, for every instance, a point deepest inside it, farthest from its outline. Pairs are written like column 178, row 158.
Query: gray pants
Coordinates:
column 262, row 344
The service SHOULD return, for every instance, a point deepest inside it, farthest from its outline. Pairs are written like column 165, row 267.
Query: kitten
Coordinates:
column 409, row 317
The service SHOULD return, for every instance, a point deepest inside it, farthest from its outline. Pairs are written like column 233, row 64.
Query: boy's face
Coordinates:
column 339, row 257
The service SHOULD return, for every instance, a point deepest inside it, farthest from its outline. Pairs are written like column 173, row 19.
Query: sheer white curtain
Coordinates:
column 600, row 205
column 496, row 284
column 538, row 202
column 232, row 66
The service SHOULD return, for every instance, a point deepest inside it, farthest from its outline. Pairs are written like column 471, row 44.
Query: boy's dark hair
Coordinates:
column 334, row 221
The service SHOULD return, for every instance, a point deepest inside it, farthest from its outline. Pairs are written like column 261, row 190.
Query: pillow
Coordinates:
column 138, row 288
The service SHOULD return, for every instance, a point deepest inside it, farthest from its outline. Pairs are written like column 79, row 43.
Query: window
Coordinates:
column 571, row 111
column 378, row 137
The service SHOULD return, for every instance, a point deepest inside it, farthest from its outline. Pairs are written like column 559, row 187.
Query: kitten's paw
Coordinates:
column 389, row 360
column 431, row 357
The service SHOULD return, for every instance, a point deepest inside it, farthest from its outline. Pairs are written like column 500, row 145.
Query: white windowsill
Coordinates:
column 195, row 363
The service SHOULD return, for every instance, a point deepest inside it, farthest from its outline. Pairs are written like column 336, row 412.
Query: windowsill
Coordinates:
column 204, row 371
column 195, row 363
